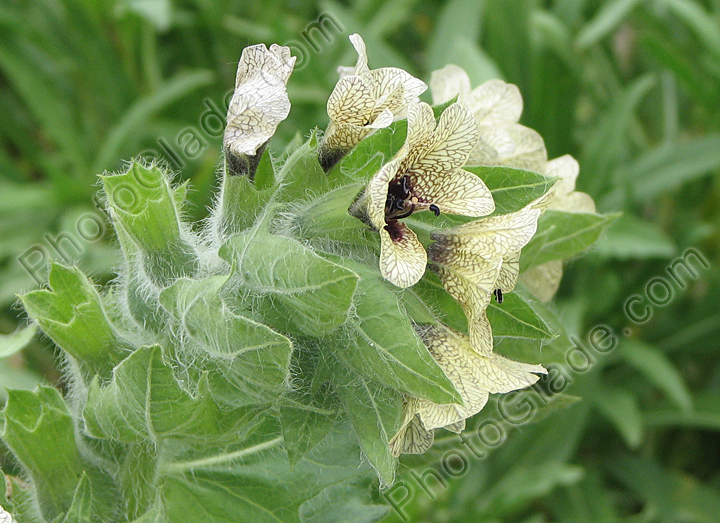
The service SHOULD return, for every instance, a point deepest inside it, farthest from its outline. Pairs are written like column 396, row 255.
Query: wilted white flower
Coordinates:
column 259, row 103
column 497, row 106
column 362, row 101
column 424, row 175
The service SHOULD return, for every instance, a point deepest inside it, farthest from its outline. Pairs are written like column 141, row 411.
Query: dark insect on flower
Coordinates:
column 498, row 295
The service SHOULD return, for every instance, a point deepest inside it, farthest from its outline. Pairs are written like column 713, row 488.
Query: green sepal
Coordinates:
column 82, row 508
column 327, row 219
column 561, row 235
column 71, row 313
column 511, row 188
column 40, row 432
column 145, row 206
column 265, row 174
column 515, row 318
column 242, row 200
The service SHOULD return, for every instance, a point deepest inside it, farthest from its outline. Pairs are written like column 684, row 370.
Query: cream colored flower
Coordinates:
column 474, row 376
column 5, row 517
column 567, row 169
column 497, row 106
column 543, row 280
column 362, row 101
column 424, row 175
column 259, row 103
column 476, row 259
column 413, row 437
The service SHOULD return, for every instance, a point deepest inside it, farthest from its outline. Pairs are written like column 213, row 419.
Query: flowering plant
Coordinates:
column 342, row 301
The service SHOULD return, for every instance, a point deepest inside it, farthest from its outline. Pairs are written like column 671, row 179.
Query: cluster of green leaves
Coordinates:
column 627, row 87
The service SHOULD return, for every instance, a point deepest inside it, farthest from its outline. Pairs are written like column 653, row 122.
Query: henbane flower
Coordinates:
column 476, row 259
column 475, row 376
column 566, row 197
column 424, row 175
column 497, row 106
column 543, row 280
column 362, row 101
column 259, row 103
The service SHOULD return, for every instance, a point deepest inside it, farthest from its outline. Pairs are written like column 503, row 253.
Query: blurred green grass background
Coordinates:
column 630, row 88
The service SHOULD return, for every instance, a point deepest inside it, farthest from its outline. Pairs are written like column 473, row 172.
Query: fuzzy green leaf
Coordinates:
column 512, row 189
column 415, row 307
column 431, row 290
column 304, row 425
column 341, row 501
column 293, row 282
column 380, row 344
column 374, row 151
column 374, row 412
column 144, row 400
column 133, row 477
column 246, row 360
column 39, row 430
column 515, row 318
column 15, row 342
column 255, row 480
column 72, row 314
column 562, row 234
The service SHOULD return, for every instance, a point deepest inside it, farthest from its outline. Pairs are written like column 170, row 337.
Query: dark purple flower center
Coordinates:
column 401, row 202
column 398, row 204
column 395, row 231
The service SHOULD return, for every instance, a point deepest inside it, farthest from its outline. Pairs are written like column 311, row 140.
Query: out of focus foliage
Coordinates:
column 628, row 87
